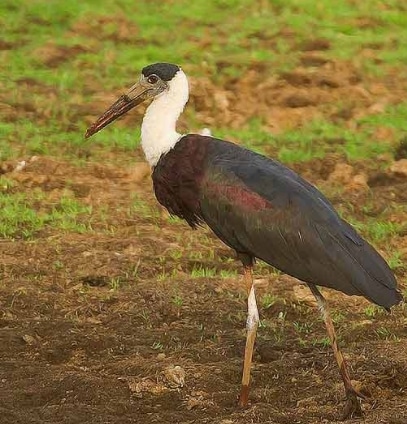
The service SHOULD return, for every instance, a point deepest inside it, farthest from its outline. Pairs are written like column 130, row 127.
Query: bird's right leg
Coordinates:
column 251, row 325
column 352, row 407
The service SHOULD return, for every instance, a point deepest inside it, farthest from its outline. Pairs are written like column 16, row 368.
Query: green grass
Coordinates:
column 66, row 61
column 378, row 231
column 319, row 137
column 268, row 300
column 203, row 272
column 395, row 261
column 393, row 118
column 23, row 217
column 114, row 39
column 141, row 208
column 372, row 311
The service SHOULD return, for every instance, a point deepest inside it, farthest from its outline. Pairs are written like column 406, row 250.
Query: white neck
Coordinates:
column 158, row 130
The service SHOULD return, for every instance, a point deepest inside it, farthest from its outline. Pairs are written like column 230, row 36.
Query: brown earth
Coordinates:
column 93, row 326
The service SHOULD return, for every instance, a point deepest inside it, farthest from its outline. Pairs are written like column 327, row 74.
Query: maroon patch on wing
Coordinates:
column 242, row 196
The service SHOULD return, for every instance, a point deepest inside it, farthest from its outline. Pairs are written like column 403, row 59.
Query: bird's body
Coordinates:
column 261, row 208
column 255, row 205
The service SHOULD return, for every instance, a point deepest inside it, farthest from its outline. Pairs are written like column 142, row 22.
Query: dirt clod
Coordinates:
column 175, row 376
column 399, row 167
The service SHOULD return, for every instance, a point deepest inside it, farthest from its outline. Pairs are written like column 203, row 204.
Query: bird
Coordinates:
column 257, row 206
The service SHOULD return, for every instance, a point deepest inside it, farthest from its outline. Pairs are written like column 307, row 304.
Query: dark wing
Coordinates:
column 260, row 207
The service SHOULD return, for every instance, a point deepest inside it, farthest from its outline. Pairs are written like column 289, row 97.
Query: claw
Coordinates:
column 352, row 406
column 244, row 397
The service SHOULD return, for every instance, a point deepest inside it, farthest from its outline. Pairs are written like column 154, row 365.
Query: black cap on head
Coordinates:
column 165, row 71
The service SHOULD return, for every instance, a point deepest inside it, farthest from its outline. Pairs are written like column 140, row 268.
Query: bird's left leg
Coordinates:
column 251, row 325
column 352, row 407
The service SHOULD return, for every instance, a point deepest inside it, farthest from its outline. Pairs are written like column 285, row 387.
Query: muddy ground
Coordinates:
column 93, row 326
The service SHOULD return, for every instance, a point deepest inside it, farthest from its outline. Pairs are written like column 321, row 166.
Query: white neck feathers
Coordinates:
column 158, row 130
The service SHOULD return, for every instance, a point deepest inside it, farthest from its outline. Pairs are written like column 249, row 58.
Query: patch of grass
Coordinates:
column 6, row 184
column 177, row 300
column 145, row 318
column 377, row 231
column 323, row 342
column 395, row 261
column 107, row 43
column 372, row 311
column 141, row 208
column 115, row 283
column 303, row 327
column 203, row 272
column 200, row 271
column 253, row 135
column 19, row 219
column 66, row 215
column 157, row 346
column 228, row 273
column 176, row 254
column 268, row 300
column 393, row 117
column 385, row 333
column 58, row 265
column 319, row 137
column 337, row 316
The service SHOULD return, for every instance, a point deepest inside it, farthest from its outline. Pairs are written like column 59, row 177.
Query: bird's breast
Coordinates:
column 178, row 176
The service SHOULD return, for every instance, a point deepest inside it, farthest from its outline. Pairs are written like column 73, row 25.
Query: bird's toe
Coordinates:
column 352, row 407
column 243, row 401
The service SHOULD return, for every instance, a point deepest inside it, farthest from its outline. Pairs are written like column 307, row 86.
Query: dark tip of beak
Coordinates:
column 117, row 109
column 93, row 129
column 89, row 132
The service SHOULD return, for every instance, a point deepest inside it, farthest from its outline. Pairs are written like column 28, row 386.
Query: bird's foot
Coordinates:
column 244, row 397
column 352, row 406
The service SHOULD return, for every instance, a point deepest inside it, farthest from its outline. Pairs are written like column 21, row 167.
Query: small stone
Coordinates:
column 175, row 376
column 20, row 166
column 358, row 183
column 192, row 403
column 92, row 320
column 30, row 340
column 399, row 167
column 303, row 295
column 297, row 100
column 345, row 175
column 138, row 387
column 161, row 356
column 313, row 59
column 206, row 132
column 342, row 174
column 358, row 386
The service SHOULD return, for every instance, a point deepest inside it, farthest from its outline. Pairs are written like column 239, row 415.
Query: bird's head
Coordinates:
column 154, row 81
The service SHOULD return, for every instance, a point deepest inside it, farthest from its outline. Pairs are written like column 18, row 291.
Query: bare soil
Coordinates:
column 111, row 326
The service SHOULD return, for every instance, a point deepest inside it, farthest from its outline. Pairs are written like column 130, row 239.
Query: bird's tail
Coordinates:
column 370, row 274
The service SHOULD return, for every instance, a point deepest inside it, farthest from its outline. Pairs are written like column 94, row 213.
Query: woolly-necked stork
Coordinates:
column 256, row 206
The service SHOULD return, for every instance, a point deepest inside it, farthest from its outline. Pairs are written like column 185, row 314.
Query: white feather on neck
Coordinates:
column 158, row 130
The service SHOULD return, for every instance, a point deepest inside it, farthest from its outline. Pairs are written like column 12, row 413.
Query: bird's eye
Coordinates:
column 152, row 79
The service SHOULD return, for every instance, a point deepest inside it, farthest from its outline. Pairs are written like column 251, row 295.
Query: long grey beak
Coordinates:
column 136, row 95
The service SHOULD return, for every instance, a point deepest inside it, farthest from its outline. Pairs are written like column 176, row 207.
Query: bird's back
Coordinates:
column 260, row 207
